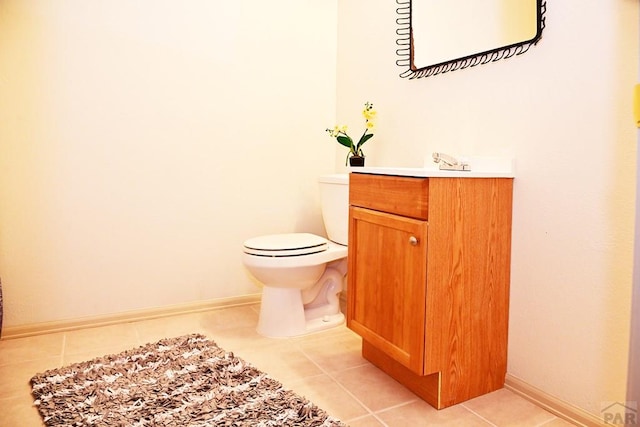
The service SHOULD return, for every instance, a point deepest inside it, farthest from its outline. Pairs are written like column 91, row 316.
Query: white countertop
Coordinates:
column 434, row 173
column 480, row 168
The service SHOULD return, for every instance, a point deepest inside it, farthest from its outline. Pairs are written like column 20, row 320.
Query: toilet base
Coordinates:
column 274, row 322
column 324, row 322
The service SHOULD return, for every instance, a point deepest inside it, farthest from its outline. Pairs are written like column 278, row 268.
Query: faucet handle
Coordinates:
column 445, row 158
column 448, row 162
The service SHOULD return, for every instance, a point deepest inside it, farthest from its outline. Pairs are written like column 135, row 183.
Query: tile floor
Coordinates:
column 325, row 367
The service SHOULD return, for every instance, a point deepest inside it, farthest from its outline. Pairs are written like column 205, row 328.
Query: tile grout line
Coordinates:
column 548, row 421
column 478, row 415
column 553, row 417
column 135, row 329
column 328, row 374
column 64, row 345
column 370, row 412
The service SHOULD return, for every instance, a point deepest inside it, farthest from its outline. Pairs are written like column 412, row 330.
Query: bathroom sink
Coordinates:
column 480, row 167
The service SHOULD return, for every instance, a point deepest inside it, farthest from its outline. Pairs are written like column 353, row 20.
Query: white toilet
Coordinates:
column 302, row 273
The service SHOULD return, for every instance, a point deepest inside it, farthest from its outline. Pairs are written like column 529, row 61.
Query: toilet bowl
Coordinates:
column 302, row 273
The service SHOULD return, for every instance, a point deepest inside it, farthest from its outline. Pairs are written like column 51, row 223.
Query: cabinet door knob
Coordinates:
column 413, row 241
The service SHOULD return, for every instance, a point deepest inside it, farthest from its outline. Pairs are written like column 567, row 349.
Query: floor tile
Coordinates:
column 335, row 352
column 169, row 327
column 113, row 338
column 375, row 389
column 30, row 348
column 19, row 412
column 282, row 361
column 420, row 413
column 505, row 409
column 15, row 377
column 239, row 339
column 368, row 421
column 87, row 355
column 234, row 317
column 330, row 396
column 557, row 422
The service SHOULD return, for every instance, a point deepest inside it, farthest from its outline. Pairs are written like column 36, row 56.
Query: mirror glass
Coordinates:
column 445, row 35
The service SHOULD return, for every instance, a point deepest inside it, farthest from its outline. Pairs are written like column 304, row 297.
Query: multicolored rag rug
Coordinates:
column 183, row 381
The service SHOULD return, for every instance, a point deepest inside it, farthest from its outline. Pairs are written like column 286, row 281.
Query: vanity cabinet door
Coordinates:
column 387, row 283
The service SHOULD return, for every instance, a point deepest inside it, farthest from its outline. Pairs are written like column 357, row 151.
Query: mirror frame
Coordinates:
column 405, row 43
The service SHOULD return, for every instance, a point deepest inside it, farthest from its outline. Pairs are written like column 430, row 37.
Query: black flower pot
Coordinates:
column 356, row 161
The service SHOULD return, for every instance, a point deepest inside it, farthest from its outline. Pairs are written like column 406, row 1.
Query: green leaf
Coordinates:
column 345, row 140
column 364, row 139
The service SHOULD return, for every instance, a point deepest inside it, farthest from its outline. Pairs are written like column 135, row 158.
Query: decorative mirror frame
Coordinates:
column 405, row 50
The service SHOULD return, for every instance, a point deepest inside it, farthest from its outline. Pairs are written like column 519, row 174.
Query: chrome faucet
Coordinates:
column 450, row 163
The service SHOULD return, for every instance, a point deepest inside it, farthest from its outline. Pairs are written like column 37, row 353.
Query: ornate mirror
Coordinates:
column 437, row 36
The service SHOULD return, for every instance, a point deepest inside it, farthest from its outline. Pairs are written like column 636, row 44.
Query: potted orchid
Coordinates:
column 355, row 156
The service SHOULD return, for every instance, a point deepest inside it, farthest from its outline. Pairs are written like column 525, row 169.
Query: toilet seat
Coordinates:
column 285, row 245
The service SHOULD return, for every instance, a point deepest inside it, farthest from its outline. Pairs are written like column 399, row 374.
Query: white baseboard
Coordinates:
column 127, row 316
column 559, row 408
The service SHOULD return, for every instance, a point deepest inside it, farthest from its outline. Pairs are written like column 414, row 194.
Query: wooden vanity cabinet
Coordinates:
column 428, row 282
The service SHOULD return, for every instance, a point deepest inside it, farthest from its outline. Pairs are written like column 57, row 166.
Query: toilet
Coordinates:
column 302, row 273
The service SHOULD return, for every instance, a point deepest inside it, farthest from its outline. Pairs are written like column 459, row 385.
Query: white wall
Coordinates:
column 142, row 141
column 563, row 110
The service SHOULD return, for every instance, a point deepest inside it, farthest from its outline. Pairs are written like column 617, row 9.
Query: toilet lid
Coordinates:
column 284, row 245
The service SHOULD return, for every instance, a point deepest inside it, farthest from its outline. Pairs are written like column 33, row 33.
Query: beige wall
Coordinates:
column 142, row 141
column 563, row 110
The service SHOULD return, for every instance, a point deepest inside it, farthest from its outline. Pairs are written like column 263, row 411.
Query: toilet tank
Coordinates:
column 334, row 200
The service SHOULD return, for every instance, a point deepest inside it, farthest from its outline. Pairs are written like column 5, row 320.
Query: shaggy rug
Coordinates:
column 184, row 381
